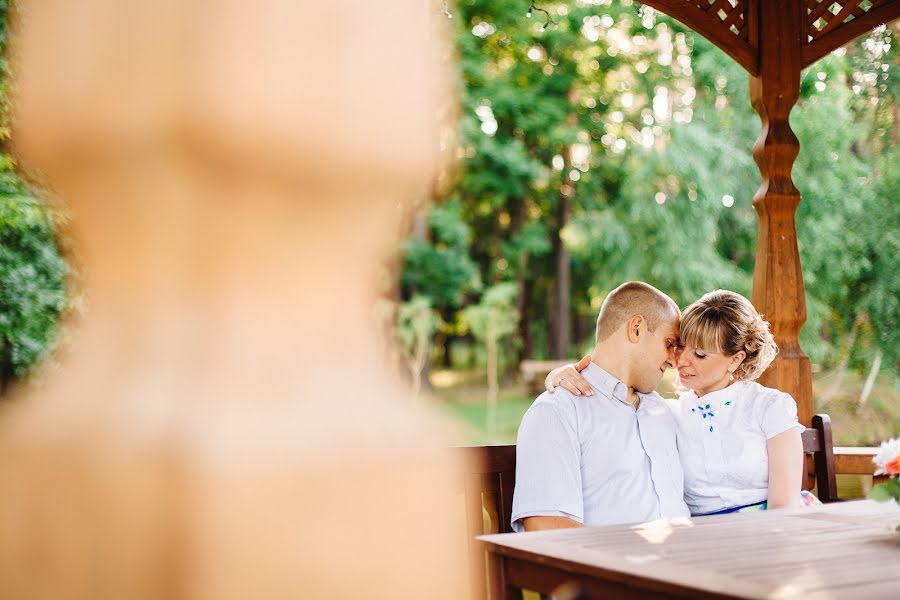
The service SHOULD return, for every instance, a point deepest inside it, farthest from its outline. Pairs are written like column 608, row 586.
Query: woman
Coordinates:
column 739, row 442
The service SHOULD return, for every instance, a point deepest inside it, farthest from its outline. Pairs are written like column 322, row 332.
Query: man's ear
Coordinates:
column 634, row 329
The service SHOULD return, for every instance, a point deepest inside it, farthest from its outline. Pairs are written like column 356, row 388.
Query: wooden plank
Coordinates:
column 854, row 461
column 787, row 553
column 877, row 588
column 550, row 579
column 837, row 20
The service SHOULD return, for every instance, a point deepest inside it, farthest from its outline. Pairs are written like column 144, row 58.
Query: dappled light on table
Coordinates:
column 657, row 532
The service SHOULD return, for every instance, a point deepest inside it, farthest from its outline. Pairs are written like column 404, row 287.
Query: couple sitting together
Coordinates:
column 600, row 447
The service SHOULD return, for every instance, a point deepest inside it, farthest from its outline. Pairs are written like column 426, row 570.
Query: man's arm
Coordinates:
column 548, row 467
column 539, row 523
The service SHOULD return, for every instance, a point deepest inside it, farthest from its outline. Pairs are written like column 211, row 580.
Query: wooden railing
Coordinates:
column 851, row 460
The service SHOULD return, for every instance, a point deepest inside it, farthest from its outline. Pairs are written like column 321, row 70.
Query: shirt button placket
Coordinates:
column 655, row 465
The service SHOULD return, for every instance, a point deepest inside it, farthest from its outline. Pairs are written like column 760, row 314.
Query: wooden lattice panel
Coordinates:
column 824, row 16
column 732, row 25
column 731, row 13
column 735, row 25
column 830, row 24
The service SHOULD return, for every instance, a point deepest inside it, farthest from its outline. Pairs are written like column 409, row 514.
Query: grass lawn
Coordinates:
column 462, row 396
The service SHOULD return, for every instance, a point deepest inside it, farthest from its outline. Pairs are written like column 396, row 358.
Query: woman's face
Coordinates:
column 704, row 371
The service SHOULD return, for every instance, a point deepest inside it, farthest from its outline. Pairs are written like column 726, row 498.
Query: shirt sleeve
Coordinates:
column 779, row 413
column 548, row 464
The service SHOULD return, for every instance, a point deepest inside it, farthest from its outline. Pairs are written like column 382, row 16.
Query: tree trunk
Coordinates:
column 835, row 386
column 7, row 373
column 448, row 316
column 493, row 387
column 561, row 319
column 524, row 282
column 870, row 380
column 526, row 350
column 560, row 322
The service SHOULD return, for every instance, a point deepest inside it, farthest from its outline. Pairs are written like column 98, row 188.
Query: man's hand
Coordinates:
column 539, row 523
column 569, row 377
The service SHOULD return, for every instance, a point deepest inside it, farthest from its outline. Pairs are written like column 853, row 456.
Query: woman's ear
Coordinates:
column 736, row 360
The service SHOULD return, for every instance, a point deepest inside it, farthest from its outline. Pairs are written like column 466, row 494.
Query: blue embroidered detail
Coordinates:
column 707, row 413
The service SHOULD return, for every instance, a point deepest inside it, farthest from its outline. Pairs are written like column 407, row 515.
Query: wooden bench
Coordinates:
column 491, row 480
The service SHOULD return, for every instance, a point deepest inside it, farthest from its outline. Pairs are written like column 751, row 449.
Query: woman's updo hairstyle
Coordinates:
column 726, row 322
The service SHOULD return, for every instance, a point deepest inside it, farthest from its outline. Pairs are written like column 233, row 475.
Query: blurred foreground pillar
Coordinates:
column 219, row 428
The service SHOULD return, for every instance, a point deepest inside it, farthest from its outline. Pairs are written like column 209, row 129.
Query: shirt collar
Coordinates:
column 728, row 392
column 605, row 383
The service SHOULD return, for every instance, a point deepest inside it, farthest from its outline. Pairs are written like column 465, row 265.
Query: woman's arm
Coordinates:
column 569, row 377
column 785, row 469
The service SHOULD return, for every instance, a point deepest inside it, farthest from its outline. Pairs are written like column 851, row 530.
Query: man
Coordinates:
column 607, row 454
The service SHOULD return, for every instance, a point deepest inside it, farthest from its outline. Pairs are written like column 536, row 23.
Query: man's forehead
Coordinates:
column 671, row 327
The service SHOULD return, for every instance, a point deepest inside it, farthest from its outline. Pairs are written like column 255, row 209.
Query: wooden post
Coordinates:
column 778, row 291
column 220, row 427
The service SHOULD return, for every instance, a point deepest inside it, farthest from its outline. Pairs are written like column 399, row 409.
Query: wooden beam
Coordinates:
column 842, row 34
column 778, row 291
column 714, row 29
column 854, row 461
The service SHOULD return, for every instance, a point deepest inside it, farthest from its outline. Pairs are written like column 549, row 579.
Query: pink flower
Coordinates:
column 887, row 460
column 893, row 467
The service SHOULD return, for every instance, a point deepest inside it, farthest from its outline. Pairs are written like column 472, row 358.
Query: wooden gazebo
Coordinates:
column 774, row 40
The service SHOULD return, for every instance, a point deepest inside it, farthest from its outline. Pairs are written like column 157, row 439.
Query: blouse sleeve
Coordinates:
column 778, row 413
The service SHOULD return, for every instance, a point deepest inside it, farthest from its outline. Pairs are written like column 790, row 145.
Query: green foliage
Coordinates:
column 645, row 130
column 32, row 278
column 441, row 268
column 32, row 271
column 495, row 317
column 416, row 320
column 886, row 491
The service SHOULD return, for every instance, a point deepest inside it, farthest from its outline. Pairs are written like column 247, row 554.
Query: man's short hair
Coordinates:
column 630, row 299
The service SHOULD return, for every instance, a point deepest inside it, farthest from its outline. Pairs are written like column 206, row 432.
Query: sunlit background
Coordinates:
column 597, row 143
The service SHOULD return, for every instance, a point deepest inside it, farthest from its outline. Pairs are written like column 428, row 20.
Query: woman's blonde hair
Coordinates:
column 726, row 322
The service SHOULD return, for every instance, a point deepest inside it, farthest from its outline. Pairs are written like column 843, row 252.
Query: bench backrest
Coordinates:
column 489, row 483
column 817, row 442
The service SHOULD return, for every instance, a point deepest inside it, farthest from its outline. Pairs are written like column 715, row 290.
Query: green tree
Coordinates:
column 32, row 270
column 417, row 322
column 32, row 279
column 490, row 321
column 616, row 145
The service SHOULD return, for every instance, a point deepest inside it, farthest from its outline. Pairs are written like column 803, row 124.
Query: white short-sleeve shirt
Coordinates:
column 595, row 459
column 722, row 442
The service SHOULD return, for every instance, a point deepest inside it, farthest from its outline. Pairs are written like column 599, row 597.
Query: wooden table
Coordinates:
column 842, row 550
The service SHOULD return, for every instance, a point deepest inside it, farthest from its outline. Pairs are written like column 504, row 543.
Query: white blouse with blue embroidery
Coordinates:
column 722, row 443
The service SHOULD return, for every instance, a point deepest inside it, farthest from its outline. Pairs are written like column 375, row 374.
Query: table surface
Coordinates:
column 847, row 549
